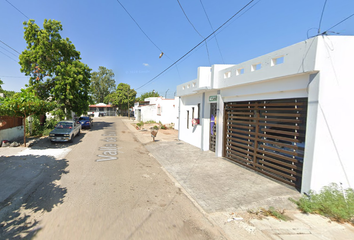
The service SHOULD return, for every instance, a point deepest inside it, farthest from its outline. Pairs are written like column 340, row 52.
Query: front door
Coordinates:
column 212, row 139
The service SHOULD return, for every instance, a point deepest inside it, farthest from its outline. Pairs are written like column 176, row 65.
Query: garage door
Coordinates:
column 268, row 137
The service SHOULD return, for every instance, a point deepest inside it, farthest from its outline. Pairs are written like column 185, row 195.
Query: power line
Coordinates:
column 345, row 19
column 17, row 9
column 8, row 56
column 197, row 44
column 9, row 46
column 319, row 25
column 9, row 52
column 217, row 43
column 206, row 45
column 138, row 26
column 188, row 18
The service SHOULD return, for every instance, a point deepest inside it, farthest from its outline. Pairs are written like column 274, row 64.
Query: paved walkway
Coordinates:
column 227, row 192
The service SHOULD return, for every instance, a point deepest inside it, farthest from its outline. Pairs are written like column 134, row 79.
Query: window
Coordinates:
column 256, row 67
column 199, row 112
column 158, row 110
column 240, row 71
column 277, row 60
column 101, row 109
column 187, row 119
column 227, row 74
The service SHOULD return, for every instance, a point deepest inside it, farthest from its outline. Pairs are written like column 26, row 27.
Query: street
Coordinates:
column 107, row 186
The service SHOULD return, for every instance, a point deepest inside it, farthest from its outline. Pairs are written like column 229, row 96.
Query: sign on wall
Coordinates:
column 213, row 98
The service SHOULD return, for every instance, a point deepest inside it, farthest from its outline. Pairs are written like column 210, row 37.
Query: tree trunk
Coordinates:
column 24, row 130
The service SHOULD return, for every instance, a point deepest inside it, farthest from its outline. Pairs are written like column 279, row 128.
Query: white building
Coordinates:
column 284, row 114
column 157, row 109
column 102, row 109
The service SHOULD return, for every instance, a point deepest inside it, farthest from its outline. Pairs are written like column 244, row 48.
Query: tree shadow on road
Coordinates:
column 28, row 185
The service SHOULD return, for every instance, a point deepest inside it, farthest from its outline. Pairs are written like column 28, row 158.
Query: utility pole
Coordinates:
column 166, row 93
column 128, row 105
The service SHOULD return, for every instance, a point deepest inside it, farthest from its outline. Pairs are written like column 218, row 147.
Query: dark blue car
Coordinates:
column 86, row 122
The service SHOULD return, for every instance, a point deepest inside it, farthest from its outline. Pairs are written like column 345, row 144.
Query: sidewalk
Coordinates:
column 226, row 192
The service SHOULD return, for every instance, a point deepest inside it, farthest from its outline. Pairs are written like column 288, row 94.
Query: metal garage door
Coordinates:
column 268, row 137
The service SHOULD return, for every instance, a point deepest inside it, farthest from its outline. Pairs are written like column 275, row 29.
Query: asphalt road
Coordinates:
column 104, row 185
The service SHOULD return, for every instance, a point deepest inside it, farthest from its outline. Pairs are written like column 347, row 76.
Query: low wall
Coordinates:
column 11, row 134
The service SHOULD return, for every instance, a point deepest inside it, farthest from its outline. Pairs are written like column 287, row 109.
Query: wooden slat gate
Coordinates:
column 268, row 137
column 212, row 139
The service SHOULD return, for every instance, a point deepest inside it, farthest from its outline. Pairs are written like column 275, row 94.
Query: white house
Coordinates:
column 102, row 109
column 157, row 109
column 284, row 114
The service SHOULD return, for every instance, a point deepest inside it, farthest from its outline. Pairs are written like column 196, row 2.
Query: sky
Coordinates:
column 106, row 35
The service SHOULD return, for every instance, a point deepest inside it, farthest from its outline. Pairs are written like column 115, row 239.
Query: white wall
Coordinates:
column 148, row 113
column 192, row 135
column 330, row 156
column 11, row 134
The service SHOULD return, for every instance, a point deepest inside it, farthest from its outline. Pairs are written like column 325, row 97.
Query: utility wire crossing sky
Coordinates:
column 159, row 45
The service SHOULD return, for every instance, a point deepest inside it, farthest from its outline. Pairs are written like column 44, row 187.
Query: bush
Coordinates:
column 332, row 202
column 140, row 124
column 50, row 123
column 163, row 127
column 37, row 129
column 155, row 127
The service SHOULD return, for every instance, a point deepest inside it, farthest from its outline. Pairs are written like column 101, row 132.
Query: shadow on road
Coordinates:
column 28, row 185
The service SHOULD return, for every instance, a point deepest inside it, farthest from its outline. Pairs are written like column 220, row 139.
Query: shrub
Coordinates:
column 163, row 127
column 333, row 202
column 156, row 127
column 140, row 124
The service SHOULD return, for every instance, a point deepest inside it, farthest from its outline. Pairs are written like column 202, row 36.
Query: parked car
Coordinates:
column 86, row 122
column 65, row 131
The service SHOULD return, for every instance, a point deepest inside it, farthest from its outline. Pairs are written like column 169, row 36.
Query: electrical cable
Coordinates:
column 138, row 26
column 319, row 25
column 9, row 47
column 211, row 26
column 195, row 30
column 338, row 23
column 211, row 34
column 17, row 9
column 188, row 18
column 8, row 56
column 9, row 52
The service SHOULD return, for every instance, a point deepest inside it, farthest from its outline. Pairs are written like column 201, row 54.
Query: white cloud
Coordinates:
column 146, row 64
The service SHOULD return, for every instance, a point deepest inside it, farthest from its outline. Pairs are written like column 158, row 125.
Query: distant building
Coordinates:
column 102, row 109
column 157, row 109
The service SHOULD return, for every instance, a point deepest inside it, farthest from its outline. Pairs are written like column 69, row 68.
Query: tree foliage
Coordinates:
column 54, row 67
column 24, row 104
column 102, row 84
column 147, row 95
column 6, row 93
column 122, row 96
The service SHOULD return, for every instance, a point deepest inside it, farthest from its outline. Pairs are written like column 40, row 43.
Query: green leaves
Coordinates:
column 55, row 67
column 24, row 104
column 147, row 95
column 102, row 84
column 122, row 96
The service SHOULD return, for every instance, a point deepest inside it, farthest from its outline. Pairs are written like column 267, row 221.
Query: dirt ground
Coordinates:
column 122, row 195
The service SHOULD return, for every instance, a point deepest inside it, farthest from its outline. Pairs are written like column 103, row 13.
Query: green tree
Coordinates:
column 147, row 95
column 6, row 93
column 102, row 84
column 54, row 67
column 123, row 97
column 24, row 104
